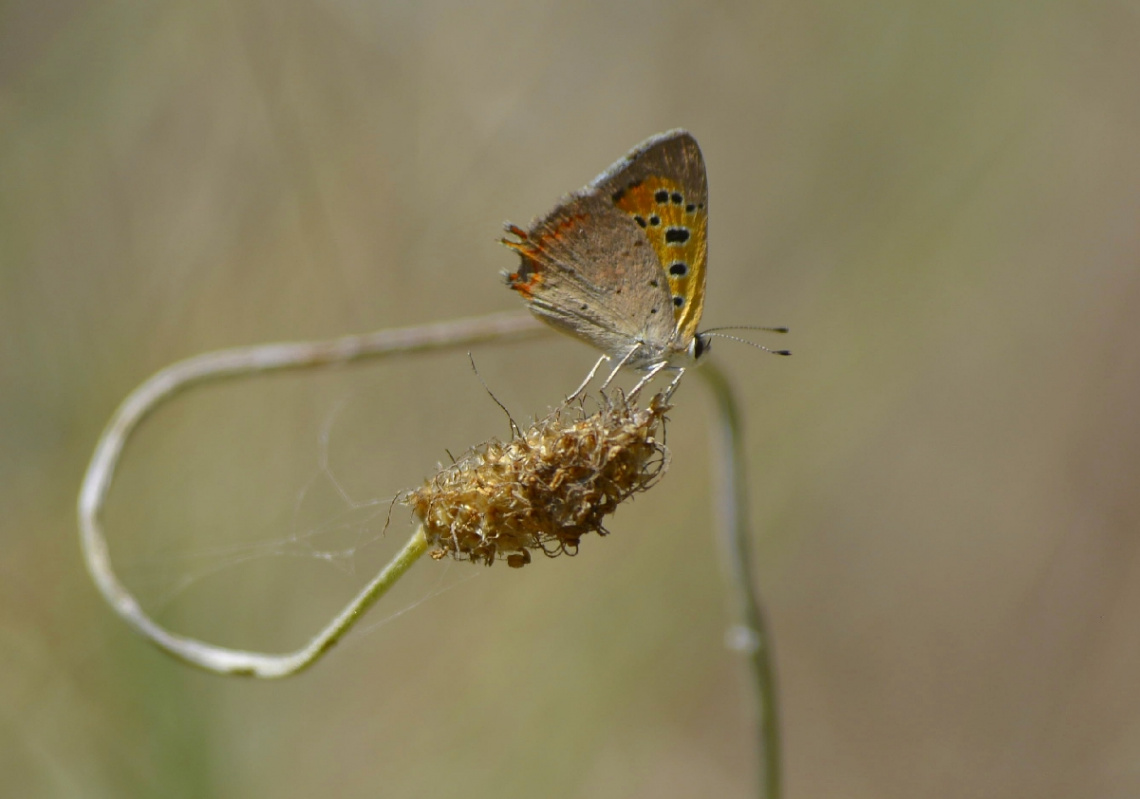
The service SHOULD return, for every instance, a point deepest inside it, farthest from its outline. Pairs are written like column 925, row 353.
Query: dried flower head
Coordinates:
column 545, row 488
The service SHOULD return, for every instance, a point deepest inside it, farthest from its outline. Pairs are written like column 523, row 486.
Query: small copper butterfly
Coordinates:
column 621, row 263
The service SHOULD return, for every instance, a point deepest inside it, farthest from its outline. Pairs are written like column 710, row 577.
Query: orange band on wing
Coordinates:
column 677, row 227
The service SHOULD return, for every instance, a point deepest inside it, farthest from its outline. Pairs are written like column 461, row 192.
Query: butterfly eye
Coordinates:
column 700, row 346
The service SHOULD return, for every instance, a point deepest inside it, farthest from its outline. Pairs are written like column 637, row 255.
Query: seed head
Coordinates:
column 547, row 487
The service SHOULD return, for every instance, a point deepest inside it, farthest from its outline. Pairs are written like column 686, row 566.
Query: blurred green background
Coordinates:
column 940, row 198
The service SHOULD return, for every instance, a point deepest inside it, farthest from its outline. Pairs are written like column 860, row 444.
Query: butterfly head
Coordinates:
column 700, row 345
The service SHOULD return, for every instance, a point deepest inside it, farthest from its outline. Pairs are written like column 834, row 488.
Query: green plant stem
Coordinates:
column 242, row 362
column 750, row 633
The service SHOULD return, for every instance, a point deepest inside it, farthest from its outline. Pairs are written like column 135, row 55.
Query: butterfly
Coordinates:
column 620, row 264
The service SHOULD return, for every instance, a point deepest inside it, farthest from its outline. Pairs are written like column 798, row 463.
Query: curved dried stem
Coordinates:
column 246, row 362
column 749, row 633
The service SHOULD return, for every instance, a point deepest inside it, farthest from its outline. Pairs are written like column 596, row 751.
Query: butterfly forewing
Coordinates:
column 621, row 264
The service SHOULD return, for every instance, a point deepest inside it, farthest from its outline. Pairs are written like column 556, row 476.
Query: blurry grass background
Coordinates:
column 940, row 198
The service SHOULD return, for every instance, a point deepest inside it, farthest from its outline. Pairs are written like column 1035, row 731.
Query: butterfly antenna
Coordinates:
column 514, row 427
column 746, row 341
column 747, row 327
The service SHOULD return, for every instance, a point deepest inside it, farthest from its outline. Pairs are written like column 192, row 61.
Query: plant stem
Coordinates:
column 247, row 362
column 749, row 633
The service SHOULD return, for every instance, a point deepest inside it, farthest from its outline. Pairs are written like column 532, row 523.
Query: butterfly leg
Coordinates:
column 578, row 391
column 652, row 373
column 628, row 357
column 673, row 386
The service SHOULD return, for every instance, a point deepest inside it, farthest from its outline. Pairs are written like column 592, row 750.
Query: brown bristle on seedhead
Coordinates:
column 547, row 487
